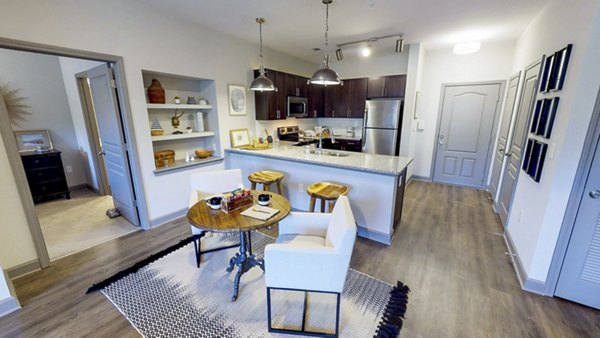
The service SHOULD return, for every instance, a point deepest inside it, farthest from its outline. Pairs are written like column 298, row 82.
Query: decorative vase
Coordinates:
column 156, row 93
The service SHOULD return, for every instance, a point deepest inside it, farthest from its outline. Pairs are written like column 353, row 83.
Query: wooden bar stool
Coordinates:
column 326, row 192
column 266, row 178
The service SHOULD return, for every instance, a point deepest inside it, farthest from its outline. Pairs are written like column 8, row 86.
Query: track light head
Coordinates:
column 399, row 45
column 339, row 55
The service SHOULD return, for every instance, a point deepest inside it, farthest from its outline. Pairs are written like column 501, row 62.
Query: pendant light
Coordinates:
column 261, row 83
column 325, row 75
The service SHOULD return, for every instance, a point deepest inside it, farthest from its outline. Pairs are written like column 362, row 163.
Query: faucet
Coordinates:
column 320, row 150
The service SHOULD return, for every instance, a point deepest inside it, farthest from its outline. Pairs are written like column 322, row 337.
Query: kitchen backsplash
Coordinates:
column 339, row 125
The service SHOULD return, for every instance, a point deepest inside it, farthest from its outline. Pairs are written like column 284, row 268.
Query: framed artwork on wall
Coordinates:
column 237, row 100
column 28, row 140
column 239, row 137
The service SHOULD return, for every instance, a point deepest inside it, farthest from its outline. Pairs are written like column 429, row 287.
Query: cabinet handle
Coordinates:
column 385, row 91
column 297, row 91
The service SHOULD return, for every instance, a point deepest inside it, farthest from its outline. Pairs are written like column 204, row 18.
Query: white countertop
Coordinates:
column 380, row 164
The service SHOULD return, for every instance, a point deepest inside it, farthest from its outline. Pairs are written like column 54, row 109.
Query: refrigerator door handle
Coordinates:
column 364, row 138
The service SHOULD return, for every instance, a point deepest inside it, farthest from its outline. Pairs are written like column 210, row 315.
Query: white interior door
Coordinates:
column 112, row 139
column 504, row 136
column 509, row 179
column 579, row 278
column 465, row 133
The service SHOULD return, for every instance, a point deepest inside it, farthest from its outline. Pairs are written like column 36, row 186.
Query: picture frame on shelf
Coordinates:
column 30, row 140
column 237, row 100
column 239, row 137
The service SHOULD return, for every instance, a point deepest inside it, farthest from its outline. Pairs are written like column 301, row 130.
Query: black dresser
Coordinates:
column 45, row 175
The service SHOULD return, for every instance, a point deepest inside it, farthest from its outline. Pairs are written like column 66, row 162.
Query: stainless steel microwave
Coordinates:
column 296, row 106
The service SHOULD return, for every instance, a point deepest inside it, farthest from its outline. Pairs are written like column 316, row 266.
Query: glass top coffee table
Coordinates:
column 203, row 217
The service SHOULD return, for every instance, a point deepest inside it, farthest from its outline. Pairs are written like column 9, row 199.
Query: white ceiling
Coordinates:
column 294, row 27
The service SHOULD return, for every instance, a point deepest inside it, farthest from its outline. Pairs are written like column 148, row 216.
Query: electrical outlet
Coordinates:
column 300, row 187
column 69, row 169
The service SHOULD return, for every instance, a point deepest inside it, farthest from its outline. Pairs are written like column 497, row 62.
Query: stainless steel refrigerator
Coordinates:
column 382, row 125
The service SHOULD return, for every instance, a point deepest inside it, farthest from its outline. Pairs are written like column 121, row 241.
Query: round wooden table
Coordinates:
column 203, row 217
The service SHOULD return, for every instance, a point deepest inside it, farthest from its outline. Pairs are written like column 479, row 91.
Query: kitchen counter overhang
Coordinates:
column 378, row 164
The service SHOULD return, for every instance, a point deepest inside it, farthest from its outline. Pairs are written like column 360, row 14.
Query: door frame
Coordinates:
column 15, row 160
column 494, row 131
column 534, row 64
column 89, row 117
column 511, row 128
column 592, row 140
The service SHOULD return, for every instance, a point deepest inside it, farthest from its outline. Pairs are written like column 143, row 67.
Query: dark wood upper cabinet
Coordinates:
column 386, row 86
column 346, row 101
column 358, row 96
column 395, row 85
column 314, row 95
column 271, row 105
column 375, row 87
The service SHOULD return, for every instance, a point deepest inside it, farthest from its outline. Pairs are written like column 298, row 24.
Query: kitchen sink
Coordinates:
column 336, row 154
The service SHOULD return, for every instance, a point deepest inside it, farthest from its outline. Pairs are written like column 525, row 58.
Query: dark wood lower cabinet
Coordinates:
column 45, row 175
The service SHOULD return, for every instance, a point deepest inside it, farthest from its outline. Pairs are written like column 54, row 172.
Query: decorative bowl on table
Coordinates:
column 203, row 153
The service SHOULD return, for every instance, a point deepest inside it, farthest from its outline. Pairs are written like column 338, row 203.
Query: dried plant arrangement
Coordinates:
column 15, row 104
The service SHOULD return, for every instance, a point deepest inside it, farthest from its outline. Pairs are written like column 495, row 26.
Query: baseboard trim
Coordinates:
column 23, row 269
column 168, row 218
column 527, row 284
column 374, row 235
column 420, row 178
column 8, row 305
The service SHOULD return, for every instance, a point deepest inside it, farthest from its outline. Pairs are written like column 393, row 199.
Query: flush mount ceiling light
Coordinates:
column 326, row 76
column 366, row 50
column 261, row 83
column 467, row 47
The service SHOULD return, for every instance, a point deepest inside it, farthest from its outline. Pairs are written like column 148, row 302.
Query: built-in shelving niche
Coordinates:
column 184, row 144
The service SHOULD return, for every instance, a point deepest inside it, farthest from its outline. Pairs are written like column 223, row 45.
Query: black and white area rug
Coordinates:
column 170, row 297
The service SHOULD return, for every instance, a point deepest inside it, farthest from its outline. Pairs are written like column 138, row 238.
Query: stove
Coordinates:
column 293, row 134
column 290, row 133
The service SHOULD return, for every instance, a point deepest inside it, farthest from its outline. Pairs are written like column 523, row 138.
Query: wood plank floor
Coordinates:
column 448, row 249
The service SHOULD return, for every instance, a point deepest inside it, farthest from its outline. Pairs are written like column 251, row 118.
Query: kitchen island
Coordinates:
column 376, row 182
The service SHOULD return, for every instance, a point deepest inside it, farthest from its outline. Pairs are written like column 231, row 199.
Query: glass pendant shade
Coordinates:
column 325, row 75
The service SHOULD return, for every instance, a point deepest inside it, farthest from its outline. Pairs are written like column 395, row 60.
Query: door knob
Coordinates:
column 595, row 194
column 101, row 153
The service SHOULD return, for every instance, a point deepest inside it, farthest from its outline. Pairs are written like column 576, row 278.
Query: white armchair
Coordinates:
column 311, row 254
column 205, row 184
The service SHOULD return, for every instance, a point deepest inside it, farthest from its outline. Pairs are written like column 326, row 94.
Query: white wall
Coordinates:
column 69, row 67
column 146, row 39
column 442, row 66
column 8, row 303
column 16, row 243
column 538, row 208
column 40, row 79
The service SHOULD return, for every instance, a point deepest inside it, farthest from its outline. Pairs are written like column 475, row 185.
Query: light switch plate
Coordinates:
column 420, row 125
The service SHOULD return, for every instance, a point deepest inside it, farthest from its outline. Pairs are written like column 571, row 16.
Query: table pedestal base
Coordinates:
column 244, row 260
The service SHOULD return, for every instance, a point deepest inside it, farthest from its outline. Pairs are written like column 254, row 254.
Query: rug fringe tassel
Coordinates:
column 393, row 315
column 137, row 266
